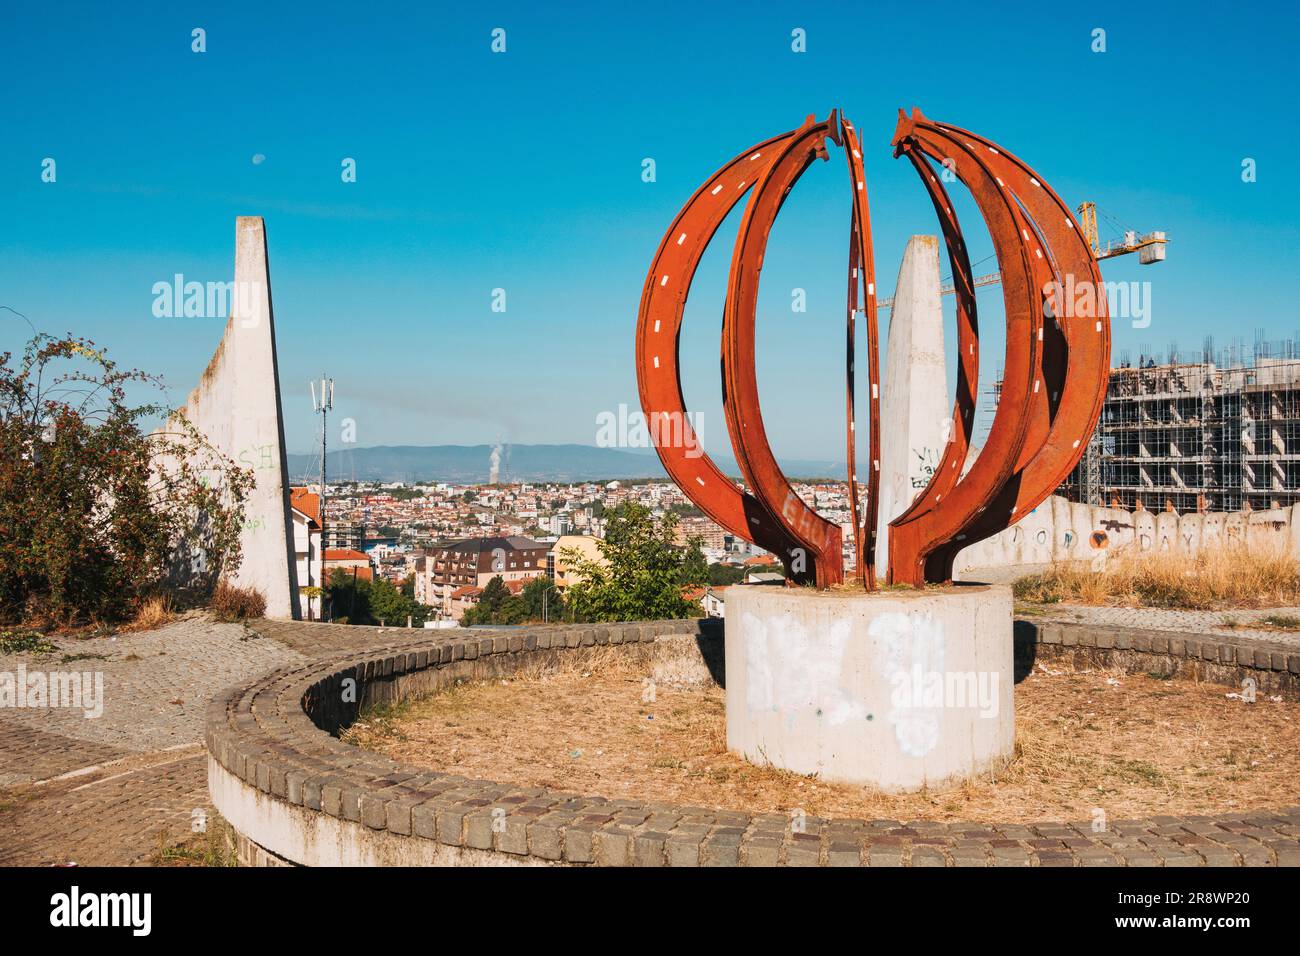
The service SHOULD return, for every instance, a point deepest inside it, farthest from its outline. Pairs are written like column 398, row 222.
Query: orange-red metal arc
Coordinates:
column 1080, row 314
column 862, row 281
column 1018, row 421
column 865, row 575
column 960, row 430
column 819, row 540
column 663, row 303
column 1072, row 356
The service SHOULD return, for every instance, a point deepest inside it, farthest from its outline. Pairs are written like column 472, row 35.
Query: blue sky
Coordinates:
column 522, row 171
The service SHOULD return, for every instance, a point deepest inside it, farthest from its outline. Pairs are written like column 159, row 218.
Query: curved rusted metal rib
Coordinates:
column 921, row 544
column 850, row 445
column 663, row 302
column 820, row 540
column 1083, row 328
column 1074, row 353
column 862, row 280
column 949, row 468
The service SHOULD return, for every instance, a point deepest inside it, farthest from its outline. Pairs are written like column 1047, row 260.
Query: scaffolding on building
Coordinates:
column 1216, row 431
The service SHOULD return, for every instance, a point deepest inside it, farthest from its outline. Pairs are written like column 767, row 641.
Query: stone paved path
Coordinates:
column 1227, row 623
column 104, row 791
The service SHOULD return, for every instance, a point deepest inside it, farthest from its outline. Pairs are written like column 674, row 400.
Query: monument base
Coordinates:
column 897, row 689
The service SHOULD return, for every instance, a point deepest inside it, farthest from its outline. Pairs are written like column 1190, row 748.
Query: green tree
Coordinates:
column 722, row 574
column 357, row 601
column 499, row 606
column 391, row 606
column 641, row 575
column 348, row 598
column 695, row 568
column 542, row 600
column 495, row 594
column 96, row 514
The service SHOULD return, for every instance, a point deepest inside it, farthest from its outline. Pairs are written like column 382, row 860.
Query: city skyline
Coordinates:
column 523, row 171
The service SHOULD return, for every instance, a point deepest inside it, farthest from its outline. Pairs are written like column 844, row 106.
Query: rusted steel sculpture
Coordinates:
column 1057, row 355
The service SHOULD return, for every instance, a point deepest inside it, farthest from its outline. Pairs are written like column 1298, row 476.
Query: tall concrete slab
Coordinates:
column 236, row 406
column 915, row 409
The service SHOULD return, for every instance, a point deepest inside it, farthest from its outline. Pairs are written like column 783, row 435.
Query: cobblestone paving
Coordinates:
column 155, row 687
column 27, row 753
column 311, row 639
column 118, row 815
column 138, row 769
column 1193, row 622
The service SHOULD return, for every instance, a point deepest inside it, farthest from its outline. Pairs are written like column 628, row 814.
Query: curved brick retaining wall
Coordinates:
column 1274, row 666
column 295, row 793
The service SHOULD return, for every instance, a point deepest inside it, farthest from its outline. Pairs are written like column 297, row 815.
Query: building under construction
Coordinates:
column 1218, row 434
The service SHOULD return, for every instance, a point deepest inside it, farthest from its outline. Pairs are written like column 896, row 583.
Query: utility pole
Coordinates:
column 322, row 407
column 546, row 593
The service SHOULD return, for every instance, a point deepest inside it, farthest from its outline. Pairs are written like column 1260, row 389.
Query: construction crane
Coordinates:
column 1149, row 247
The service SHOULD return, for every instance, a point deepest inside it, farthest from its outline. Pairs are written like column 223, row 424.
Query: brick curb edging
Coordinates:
column 294, row 792
column 1217, row 658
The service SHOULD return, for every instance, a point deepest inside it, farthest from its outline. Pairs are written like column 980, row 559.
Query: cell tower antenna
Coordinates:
column 321, row 406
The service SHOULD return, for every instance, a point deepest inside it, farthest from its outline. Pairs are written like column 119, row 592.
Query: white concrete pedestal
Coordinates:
column 896, row 689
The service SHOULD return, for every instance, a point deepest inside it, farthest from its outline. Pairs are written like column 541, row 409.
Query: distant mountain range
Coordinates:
column 472, row 464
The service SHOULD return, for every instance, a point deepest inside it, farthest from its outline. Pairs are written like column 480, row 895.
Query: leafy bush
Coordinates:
column 372, row 602
column 642, row 574
column 538, row 600
column 230, row 603
column 97, row 515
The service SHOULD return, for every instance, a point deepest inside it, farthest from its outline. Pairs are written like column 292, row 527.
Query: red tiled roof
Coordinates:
column 306, row 502
column 465, row 591
column 345, row 554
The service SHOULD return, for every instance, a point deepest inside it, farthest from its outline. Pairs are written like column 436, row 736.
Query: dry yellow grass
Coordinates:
column 1130, row 745
column 154, row 612
column 1234, row 578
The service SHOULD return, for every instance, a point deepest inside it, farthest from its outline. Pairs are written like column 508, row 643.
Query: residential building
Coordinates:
column 305, row 511
column 559, row 568
column 714, row 600
column 473, row 562
column 351, row 562
column 712, row 536
column 343, row 534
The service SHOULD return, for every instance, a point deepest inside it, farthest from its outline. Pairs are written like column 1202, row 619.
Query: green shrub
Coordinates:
column 96, row 514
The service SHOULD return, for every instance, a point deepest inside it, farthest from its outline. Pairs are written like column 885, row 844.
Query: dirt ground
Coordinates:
column 1131, row 745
